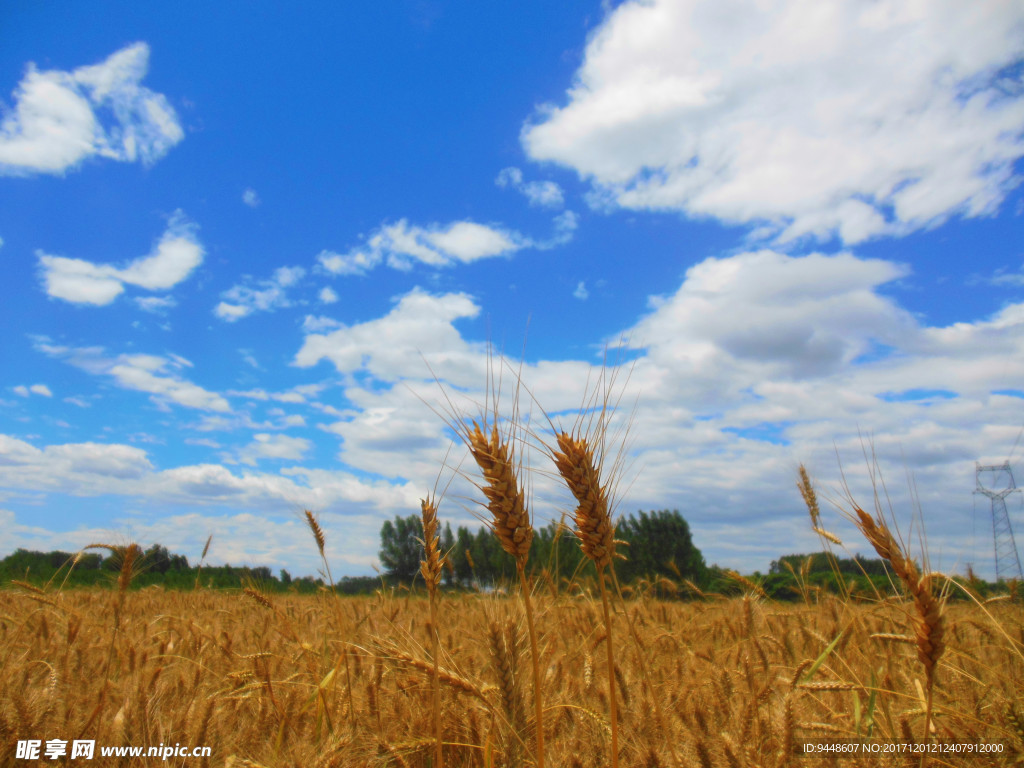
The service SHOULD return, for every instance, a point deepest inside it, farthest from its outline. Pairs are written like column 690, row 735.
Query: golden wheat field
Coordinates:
column 328, row 681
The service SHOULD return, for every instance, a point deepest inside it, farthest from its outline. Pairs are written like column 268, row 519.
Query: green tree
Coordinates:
column 400, row 549
column 659, row 544
column 448, row 549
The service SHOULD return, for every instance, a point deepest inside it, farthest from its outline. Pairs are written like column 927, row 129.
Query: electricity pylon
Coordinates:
column 1007, row 559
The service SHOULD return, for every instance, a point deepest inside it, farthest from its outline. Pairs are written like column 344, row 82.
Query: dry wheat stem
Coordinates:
column 430, row 567
column 575, row 462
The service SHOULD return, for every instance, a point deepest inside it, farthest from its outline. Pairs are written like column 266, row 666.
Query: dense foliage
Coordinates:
column 654, row 545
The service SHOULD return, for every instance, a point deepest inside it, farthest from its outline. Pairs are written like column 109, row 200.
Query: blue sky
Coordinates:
column 228, row 233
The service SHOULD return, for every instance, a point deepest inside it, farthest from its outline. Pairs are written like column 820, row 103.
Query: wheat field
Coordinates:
column 327, row 681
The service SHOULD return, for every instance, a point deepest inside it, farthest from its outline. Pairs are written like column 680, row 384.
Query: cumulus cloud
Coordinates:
column 581, row 291
column 789, row 317
column 419, row 323
column 174, row 257
column 265, row 296
column 327, row 295
column 400, row 245
column 757, row 361
column 97, row 470
column 104, row 461
column 754, row 362
column 153, row 374
column 250, row 198
column 60, row 119
column 836, row 118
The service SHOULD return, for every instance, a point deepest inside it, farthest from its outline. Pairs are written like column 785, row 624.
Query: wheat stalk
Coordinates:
column 575, row 462
column 510, row 522
column 929, row 621
column 430, row 568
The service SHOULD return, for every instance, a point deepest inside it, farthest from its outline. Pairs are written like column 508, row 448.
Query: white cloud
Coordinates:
column 158, row 376
column 111, row 462
column 1003, row 277
column 313, row 324
column 400, row 245
column 268, row 295
column 836, row 117
column 95, row 470
column 327, row 295
column 581, row 291
column 543, row 194
column 231, row 312
column 173, row 259
column 298, row 394
column 274, row 446
column 419, row 323
column 758, row 361
column 250, row 198
column 158, row 305
column 62, row 118
column 780, row 316
column 35, row 389
column 79, row 281
column 755, row 362
column 509, row 177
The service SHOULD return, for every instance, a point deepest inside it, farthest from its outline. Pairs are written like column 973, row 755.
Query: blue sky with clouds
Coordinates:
column 234, row 237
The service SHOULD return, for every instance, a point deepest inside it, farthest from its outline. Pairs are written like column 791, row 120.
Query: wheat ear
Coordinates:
column 929, row 622
column 510, row 522
column 575, row 462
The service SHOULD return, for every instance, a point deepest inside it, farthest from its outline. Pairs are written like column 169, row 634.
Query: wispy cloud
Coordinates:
column 250, row 198
column 840, row 118
column 158, row 305
column 35, row 389
column 274, row 446
column 543, row 194
column 61, row 118
column 265, row 296
column 400, row 245
column 175, row 256
column 158, row 376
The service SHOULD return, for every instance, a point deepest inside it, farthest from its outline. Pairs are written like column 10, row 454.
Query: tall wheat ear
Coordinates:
column 928, row 619
column 495, row 452
column 129, row 558
column 580, row 456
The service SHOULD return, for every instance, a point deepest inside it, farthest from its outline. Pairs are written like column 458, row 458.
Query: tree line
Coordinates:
column 654, row 544
column 660, row 558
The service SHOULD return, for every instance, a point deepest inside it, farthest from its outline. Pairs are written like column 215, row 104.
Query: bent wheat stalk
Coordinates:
column 929, row 621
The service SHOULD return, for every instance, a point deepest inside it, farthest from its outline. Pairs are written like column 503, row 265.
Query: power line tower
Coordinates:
column 1007, row 559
